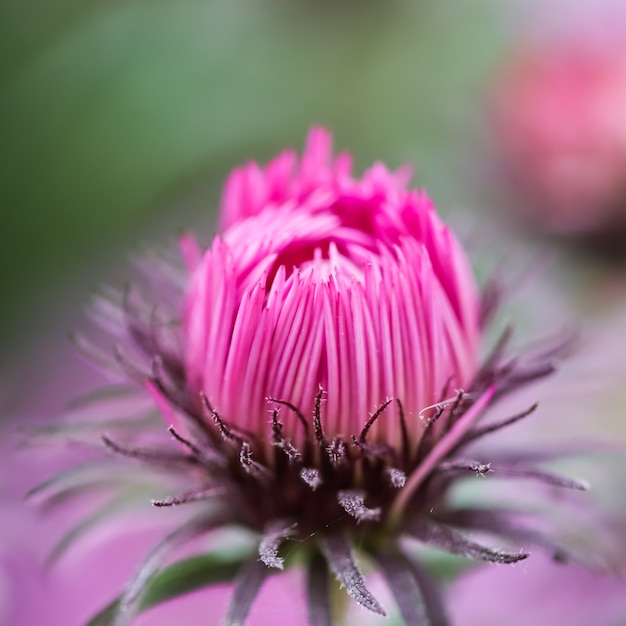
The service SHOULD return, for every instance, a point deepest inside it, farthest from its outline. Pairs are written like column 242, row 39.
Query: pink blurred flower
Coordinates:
column 561, row 126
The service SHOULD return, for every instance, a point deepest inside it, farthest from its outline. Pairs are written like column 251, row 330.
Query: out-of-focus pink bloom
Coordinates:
column 560, row 119
column 321, row 279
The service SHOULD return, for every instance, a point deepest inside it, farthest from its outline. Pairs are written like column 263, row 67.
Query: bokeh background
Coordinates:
column 119, row 121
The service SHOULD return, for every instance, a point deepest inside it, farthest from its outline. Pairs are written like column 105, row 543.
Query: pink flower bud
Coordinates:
column 322, row 390
column 319, row 279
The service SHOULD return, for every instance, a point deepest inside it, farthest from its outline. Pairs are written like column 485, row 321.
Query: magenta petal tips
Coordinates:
column 322, row 280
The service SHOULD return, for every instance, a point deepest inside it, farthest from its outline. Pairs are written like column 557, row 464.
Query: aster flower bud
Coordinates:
column 322, row 280
column 322, row 387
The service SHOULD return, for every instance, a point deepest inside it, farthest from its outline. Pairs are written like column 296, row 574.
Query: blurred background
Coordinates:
column 119, row 121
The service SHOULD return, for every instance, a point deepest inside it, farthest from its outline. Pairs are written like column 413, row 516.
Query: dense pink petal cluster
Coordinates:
column 320, row 279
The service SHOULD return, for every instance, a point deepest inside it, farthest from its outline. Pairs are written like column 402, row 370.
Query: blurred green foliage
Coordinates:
column 112, row 111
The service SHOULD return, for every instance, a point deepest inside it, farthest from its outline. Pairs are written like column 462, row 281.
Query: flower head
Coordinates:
column 322, row 384
column 320, row 280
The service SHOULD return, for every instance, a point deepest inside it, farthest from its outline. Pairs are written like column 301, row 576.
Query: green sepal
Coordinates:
column 445, row 568
column 179, row 579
